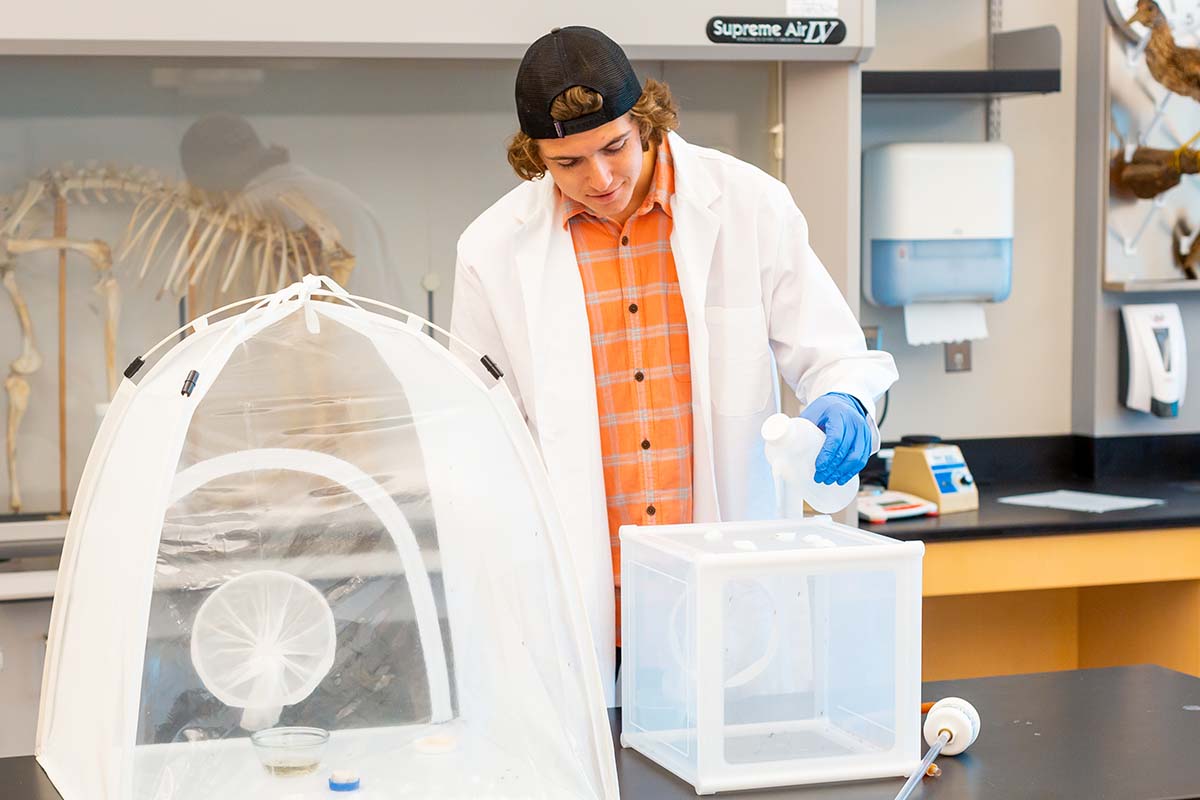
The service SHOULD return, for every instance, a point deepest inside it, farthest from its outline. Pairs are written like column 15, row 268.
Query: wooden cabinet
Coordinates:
column 1041, row 603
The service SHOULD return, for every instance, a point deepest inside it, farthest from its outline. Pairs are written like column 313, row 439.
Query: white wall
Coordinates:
column 1020, row 384
column 421, row 142
column 930, row 34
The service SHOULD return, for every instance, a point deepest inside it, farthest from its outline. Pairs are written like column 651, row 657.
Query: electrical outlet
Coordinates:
column 958, row 356
column 871, row 334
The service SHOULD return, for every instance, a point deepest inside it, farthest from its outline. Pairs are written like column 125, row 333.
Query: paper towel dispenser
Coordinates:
column 937, row 223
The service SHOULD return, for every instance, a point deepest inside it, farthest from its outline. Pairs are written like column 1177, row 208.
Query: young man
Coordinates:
column 639, row 301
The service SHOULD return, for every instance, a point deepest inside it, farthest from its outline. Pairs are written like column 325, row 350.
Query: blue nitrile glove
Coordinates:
column 847, row 437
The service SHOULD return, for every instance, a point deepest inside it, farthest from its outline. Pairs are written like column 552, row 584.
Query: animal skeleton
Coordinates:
column 218, row 237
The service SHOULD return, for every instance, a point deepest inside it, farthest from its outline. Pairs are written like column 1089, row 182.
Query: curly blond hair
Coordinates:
column 655, row 113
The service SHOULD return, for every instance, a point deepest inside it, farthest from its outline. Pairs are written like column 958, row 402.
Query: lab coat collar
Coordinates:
column 540, row 201
column 691, row 181
column 694, row 233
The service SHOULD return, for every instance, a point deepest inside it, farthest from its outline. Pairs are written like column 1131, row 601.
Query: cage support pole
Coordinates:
column 60, row 231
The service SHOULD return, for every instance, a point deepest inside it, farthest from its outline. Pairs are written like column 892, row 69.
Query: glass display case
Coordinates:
column 139, row 191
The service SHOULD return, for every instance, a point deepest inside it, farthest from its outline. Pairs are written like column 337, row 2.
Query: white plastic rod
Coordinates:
column 332, row 292
column 935, row 750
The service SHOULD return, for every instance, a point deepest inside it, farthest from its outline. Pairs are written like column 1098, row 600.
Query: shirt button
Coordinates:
column 633, row 308
column 624, row 240
column 639, row 376
column 651, row 510
column 645, row 444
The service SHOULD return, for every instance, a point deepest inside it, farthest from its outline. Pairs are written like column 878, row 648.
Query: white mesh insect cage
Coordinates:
column 311, row 514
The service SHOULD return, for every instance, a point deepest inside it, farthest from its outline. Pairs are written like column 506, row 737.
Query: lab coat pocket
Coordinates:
column 741, row 360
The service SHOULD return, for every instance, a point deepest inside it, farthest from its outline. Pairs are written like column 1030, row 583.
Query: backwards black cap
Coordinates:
column 566, row 57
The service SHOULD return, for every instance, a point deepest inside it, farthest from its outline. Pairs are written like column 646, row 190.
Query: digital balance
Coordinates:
column 883, row 505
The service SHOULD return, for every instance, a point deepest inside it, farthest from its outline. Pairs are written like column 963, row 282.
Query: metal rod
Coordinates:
column 934, row 750
column 992, row 114
column 60, row 232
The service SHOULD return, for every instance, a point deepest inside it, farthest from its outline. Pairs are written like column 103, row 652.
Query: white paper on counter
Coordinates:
column 934, row 323
column 1090, row 502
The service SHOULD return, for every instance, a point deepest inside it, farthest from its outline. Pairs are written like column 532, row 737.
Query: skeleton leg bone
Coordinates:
column 30, row 361
column 107, row 287
column 101, row 257
column 16, row 387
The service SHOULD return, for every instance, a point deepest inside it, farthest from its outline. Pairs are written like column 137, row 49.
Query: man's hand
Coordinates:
column 847, row 437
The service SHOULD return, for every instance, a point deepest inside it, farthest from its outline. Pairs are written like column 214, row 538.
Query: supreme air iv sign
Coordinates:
column 775, row 30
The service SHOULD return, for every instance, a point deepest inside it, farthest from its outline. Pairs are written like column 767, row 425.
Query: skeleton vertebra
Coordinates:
column 218, row 235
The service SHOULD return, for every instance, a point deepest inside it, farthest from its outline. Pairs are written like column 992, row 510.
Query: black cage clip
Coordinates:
column 133, row 367
column 189, row 383
column 491, row 367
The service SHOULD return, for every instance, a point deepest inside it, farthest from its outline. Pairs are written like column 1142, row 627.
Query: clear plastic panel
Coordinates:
column 363, row 464
column 808, row 665
column 662, row 710
column 862, row 657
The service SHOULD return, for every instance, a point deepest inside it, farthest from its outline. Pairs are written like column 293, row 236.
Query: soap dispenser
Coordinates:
column 1153, row 354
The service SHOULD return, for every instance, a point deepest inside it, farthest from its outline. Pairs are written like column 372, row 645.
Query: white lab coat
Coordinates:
column 756, row 297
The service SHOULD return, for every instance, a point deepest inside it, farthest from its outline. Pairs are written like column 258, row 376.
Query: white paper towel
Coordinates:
column 932, row 323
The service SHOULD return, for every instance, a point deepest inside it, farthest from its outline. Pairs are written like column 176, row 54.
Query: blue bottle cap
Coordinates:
column 343, row 782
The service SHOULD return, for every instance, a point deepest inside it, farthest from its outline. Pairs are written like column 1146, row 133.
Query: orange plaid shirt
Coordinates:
column 640, row 352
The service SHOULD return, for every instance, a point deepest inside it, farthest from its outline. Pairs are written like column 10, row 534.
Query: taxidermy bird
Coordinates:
column 1177, row 68
column 1150, row 171
column 1191, row 259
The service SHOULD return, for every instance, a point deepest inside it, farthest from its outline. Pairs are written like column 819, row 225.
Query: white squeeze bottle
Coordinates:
column 792, row 445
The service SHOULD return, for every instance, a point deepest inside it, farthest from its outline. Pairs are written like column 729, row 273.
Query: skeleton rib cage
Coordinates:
column 202, row 234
